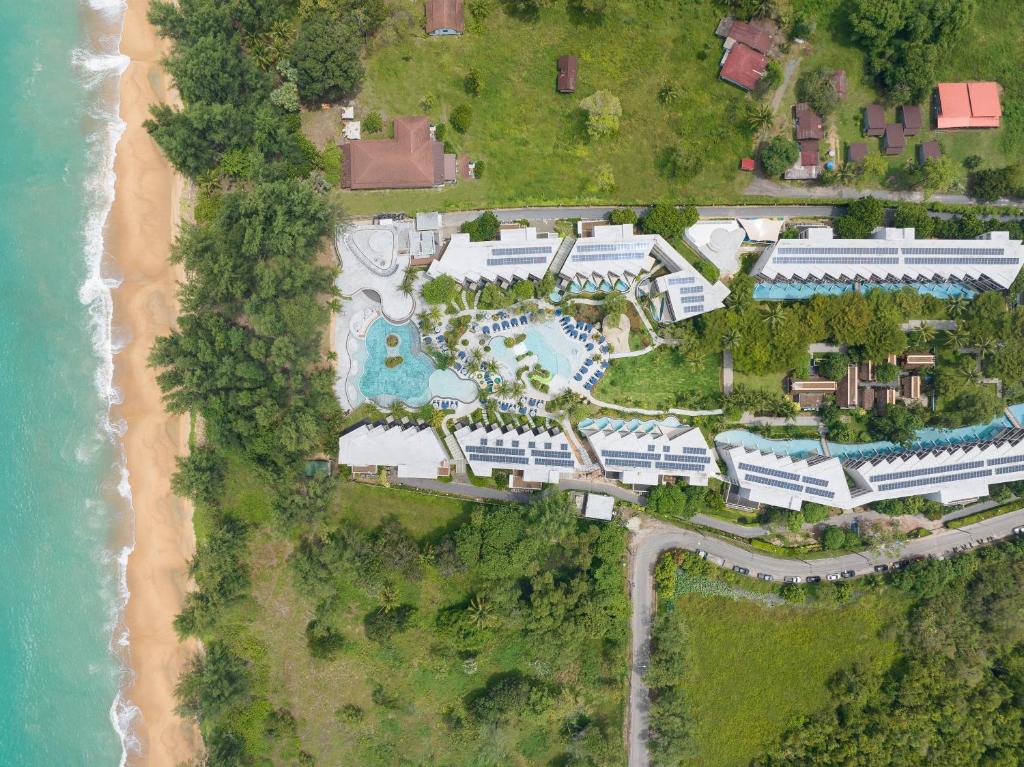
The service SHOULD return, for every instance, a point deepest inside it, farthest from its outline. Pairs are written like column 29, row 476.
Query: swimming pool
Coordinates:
column 553, row 349
column 797, row 291
column 798, row 448
column 414, row 381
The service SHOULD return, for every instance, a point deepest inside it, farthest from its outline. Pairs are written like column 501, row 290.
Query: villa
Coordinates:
column 534, row 456
column 968, row 105
column 890, row 259
column 413, row 159
column 951, row 471
column 413, row 450
column 519, row 254
column 614, row 255
column 645, row 453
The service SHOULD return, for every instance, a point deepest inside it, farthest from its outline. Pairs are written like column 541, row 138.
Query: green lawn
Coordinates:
column 771, row 382
column 531, row 138
column 754, row 669
column 660, row 379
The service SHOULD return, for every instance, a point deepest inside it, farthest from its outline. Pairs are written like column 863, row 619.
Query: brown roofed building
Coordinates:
column 890, row 396
column 911, row 386
column 867, row 370
column 808, row 123
column 445, row 17
column 746, row 33
column 411, row 160
column 918, row 360
column 567, row 66
column 743, row 66
column 874, row 120
column 849, row 387
column 910, row 119
column 856, row 152
column 867, row 397
column 928, row 150
column 893, row 141
column 809, row 153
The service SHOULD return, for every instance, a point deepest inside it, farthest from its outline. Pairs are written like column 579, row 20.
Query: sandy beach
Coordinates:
column 140, row 229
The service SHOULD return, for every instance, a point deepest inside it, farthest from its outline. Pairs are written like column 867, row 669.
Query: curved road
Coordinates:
column 654, row 537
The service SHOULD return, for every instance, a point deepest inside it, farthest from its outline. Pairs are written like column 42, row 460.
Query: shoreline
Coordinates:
column 139, row 230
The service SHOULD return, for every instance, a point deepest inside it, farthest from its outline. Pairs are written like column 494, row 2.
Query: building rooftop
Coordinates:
column 567, row 67
column 746, row 33
column 519, row 254
column 414, row 449
column 809, row 156
column 969, row 105
column 410, row 160
column 783, row 480
column 809, row 124
column 910, row 118
column 928, row 150
column 601, row 507
column 541, row 456
column 874, row 119
column 743, row 66
column 444, row 15
column 643, row 453
column 856, row 152
column 894, row 140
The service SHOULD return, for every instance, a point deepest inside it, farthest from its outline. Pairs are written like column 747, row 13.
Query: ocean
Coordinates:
column 65, row 515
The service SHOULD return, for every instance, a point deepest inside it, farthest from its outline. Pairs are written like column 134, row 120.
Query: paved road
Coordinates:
column 465, row 490
column 601, row 211
column 654, row 537
column 770, row 188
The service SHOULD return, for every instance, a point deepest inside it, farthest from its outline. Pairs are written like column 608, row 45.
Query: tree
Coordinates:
column 327, row 58
column 778, row 155
column 603, row 110
column 622, row 216
column 899, row 423
column 473, row 83
column 615, row 305
column 996, row 183
column 483, row 228
column 461, row 118
column 915, row 216
column 815, row 86
column 759, row 118
column 863, row 216
column 668, row 220
column 200, row 475
column 373, row 122
column 886, row 372
column 834, row 366
column 443, row 289
column 939, row 174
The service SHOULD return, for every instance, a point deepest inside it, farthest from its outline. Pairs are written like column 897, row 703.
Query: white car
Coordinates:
column 1018, row 530
column 792, row 579
column 833, row 576
column 702, row 554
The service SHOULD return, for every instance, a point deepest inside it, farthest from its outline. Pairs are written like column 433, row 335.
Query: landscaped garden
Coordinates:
column 661, row 379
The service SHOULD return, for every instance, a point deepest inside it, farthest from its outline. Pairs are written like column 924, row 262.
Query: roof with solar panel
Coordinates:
column 541, row 456
column 519, row 254
column 643, row 452
column 893, row 255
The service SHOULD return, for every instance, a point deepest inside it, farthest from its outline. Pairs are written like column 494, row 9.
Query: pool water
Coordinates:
column 796, row 291
column 798, row 448
column 553, row 349
column 415, row 381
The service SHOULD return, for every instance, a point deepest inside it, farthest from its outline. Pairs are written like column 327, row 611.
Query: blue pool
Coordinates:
column 797, row 291
column 798, row 448
column 553, row 349
column 415, row 381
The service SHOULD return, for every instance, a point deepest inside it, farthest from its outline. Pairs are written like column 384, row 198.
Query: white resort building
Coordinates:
column 535, row 456
column 818, row 262
column 414, row 450
column 519, row 255
column 949, row 474
column 614, row 255
column 642, row 453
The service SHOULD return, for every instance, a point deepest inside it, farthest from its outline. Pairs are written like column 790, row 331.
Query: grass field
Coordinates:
column 533, row 139
column 658, row 380
column 754, row 669
column 771, row 382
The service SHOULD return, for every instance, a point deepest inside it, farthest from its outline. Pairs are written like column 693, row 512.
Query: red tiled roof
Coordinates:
column 411, row 160
column 928, row 150
column 969, row 105
column 856, row 152
column 747, row 163
column 808, row 123
column 809, row 153
column 743, row 66
column 751, row 36
column 445, row 14
column 567, row 66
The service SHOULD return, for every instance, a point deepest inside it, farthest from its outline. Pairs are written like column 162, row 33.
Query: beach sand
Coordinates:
column 140, row 229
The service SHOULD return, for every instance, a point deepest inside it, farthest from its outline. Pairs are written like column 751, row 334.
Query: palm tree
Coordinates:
column 478, row 611
column 475, row 359
column 956, row 306
column 774, row 315
column 967, row 370
column 925, row 335
column 958, row 338
column 986, row 346
column 730, row 338
column 759, row 118
column 389, row 598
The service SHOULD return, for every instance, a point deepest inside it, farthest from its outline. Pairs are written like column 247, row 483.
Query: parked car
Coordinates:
column 814, row 579
column 833, row 576
column 847, row 573
column 741, row 570
column 1018, row 530
column 764, row 577
column 881, row 568
column 702, row 554
column 792, row 579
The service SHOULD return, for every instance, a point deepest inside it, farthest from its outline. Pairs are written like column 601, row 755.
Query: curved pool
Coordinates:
column 414, row 381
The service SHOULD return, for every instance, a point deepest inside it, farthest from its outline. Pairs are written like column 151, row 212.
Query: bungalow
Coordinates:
column 918, row 360
column 808, row 123
column 911, row 387
column 874, row 120
column 567, row 66
column 910, row 119
column 857, row 152
column 413, row 159
column 412, row 450
column 928, row 150
column 849, row 388
column 809, row 153
column 968, row 105
column 747, row 33
column 445, row 17
column 743, row 66
column 810, row 394
column 893, row 141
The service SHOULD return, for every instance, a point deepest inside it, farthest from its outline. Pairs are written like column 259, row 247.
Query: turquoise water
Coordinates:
column 555, row 351
column 796, row 291
column 798, row 448
column 61, row 512
column 416, row 380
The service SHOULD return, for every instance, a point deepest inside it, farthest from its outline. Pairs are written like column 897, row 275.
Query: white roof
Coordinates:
column 762, row 229
column 352, row 130
column 414, row 449
column 644, row 452
column 948, row 475
column 719, row 242
column 786, row 481
column 687, row 295
column 599, row 507
column 428, row 221
column 615, row 252
column 519, row 254
column 992, row 260
column 541, row 456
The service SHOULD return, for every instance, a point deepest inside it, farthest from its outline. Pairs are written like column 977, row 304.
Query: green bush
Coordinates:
column 461, row 118
column 778, row 155
column 373, row 122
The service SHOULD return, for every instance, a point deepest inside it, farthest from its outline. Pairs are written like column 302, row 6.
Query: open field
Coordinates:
column 660, row 379
column 533, row 139
column 754, row 669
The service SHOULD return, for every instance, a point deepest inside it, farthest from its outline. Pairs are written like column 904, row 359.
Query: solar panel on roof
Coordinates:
column 928, row 470
column 958, row 250
column 769, row 472
column 935, row 480
column 834, row 260
column 528, row 250
column 962, row 260
column 773, row 482
column 517, row 261
column 1006, row 459
column 681, row 280
column 838, row 251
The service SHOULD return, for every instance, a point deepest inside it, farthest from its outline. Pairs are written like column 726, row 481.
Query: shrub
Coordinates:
column 324, row 641
column 478, row 169
column 373, row 122
column 668, row 220
column 816, row 88
column 778, row 155
column 286, row 97
column 461, row 118
column 483, row 228
column 622, row 216
column 443, row 289
column 603, row 112
column 472, row 83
